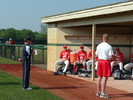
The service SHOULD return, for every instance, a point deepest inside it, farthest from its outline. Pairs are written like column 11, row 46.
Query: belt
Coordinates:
column 103, row 59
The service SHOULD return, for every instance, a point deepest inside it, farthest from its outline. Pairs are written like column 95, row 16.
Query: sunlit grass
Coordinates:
column 8, row 61
column 10, row 89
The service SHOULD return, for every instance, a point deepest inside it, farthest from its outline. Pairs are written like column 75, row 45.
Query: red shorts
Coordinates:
column 104, row 68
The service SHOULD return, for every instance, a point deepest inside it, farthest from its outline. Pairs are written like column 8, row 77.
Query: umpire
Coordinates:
column 26, row 56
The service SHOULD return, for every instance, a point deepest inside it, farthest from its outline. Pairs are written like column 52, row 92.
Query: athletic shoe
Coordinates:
column 75, row 73
column 64, row 73
column 13, row 57
column 89, row 70
column 132, row 77
column 29, row 88
column 55, row 73
column 98, row 93
column 104, row 96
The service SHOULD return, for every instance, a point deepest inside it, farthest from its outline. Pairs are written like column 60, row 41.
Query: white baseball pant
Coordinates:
column 113, row 64
column 57, row 63
column 89, row 63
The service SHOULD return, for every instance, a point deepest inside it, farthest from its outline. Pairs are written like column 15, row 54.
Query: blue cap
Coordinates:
column 27, row 38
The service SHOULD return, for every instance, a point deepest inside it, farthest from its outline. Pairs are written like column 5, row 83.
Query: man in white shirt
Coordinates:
column 104, row 52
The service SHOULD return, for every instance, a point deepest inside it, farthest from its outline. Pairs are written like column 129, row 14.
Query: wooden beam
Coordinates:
column 93, row 51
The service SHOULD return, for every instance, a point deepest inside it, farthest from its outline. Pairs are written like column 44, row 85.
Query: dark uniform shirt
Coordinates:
column 26, row 55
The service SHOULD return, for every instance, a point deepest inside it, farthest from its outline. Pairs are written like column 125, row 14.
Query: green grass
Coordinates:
column 7, row 61
column 10, row 89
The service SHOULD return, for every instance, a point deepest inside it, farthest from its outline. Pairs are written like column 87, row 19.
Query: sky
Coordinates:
column 27, row 14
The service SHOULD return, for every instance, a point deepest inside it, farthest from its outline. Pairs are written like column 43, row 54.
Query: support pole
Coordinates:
column 93, row 51
column 130, row 49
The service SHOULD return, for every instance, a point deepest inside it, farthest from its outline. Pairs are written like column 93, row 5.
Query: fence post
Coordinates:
column 1, row 50
column 10, row 52
column 42, row 56
column 18, row 52
column 5, row 51
column 14, row 53
column 2, row 53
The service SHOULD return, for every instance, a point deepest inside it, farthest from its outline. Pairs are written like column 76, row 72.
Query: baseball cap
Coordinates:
column 10, row 39
column 27, row 38
column 65, row 46
column 117, row 49
column 81, row 46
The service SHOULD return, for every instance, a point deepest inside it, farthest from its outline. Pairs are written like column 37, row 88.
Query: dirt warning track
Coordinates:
column 66, row 87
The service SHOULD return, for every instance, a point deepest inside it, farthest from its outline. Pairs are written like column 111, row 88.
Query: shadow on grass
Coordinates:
column 36, row 88
column 2, row 76
column 9, row 83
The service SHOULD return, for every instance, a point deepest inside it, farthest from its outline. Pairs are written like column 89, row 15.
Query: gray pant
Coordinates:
column 26, row 73
column 128, row 66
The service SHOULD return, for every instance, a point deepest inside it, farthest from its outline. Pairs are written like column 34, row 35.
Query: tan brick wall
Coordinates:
column 51, row 50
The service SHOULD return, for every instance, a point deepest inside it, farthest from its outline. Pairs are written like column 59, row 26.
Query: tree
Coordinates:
column 44, row 29
column 9, row 33
column 24, row 33
column 41, row 36
column 19, row 35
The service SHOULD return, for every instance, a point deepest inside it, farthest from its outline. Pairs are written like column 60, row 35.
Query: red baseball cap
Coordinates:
column 81, row 46
column 117, row 49
column 65, row 46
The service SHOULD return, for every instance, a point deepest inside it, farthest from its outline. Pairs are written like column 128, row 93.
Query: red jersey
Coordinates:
column 90, row 55
column 82, row 55
column 65, row 54
column 118, row 57
column 132, row 55
column 11, row 42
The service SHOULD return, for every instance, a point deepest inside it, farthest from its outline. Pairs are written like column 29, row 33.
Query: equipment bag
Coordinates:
column 68, row 71
column 60, row 70
column 83, row 73
column 117, row 73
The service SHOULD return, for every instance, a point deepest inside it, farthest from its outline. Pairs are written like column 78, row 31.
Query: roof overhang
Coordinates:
column 98, row 11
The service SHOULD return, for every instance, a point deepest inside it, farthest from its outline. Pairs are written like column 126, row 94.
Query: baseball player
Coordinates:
column 117, row 60
column 81, row 57
column 105, row 53
column 129, row 66
column 64, row 55
column 89, row 62
column 11, row 42
column 26, row 56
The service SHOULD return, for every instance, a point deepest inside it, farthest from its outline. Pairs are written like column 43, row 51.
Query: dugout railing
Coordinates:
column 14, row 52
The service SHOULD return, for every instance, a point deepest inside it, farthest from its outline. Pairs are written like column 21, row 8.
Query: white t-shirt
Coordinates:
column 104, row 51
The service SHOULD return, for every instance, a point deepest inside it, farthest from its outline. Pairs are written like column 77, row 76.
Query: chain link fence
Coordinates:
column 15, row 52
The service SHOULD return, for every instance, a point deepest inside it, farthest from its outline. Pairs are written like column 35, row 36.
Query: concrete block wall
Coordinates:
column 56, row 37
